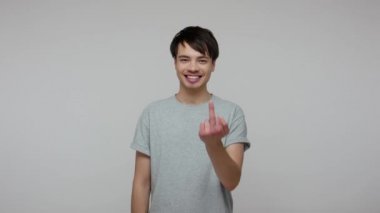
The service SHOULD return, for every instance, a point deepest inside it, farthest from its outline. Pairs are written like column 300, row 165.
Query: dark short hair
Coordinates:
column 200, row 39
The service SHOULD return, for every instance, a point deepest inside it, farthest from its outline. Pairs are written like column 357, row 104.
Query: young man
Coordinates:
column 190, row 146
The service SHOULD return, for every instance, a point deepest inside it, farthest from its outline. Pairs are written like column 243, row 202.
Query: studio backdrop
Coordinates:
column 75, row 76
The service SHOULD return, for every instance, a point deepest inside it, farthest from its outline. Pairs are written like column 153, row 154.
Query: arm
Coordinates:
column 141, row 184
column 227, row 162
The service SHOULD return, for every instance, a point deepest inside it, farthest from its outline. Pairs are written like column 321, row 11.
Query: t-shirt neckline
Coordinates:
column 193, row 105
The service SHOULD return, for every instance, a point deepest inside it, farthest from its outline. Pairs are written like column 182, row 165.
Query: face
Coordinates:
column 193, row 68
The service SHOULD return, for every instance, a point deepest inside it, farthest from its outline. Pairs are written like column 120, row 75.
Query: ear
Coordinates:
column 213, row 66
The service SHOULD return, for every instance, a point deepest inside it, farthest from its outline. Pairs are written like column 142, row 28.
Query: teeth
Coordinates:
column 193, row 78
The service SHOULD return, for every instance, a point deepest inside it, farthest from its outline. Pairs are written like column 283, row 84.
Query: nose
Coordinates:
column 193, row 66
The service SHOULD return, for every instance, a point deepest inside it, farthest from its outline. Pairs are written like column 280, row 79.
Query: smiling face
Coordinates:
column 193, row 69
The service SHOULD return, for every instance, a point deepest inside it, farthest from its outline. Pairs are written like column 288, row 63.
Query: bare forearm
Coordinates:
column 140, row 198
column 225, row 168
column 227, row 163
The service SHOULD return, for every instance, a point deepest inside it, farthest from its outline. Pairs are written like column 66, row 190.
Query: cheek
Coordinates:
column 179, row 67
column 210, row 70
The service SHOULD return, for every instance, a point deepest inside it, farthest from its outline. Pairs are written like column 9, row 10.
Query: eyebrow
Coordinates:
column 200, row 57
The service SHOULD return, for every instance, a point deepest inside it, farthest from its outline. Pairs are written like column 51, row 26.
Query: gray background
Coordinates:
column 75, row 76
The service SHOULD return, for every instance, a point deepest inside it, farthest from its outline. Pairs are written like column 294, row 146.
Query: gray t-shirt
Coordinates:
column 182, row 176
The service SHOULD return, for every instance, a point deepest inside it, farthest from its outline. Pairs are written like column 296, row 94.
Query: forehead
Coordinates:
column 184, row 49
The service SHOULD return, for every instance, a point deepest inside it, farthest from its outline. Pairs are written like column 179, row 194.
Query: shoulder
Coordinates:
column 228, row 106
column 158, row 105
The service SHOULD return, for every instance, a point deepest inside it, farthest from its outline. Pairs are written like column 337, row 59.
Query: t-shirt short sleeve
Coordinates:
column 141, row 140
column 238, row 129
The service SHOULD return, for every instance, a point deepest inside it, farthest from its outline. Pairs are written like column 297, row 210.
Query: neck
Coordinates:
column 193, row 97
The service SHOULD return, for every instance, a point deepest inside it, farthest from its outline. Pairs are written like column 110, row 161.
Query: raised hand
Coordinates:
column 213, row 129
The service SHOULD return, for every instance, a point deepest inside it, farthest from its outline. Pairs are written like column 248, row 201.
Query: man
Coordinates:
column 190, row 146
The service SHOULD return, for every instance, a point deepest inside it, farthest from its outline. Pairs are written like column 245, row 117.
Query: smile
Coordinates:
column 193, row 78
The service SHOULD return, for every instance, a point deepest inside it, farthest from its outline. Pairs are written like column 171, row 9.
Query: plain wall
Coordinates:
column 75, row 76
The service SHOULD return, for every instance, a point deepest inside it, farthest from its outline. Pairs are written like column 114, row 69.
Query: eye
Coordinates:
column 203, row 61
column 183, row 60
